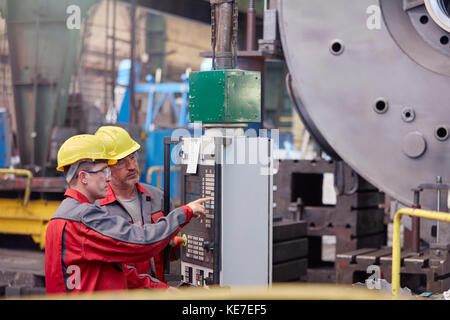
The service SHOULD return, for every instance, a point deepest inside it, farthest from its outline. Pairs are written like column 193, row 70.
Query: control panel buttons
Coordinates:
column 199, row 278
column 188, row 274
column 209, row 279
column 208, row 245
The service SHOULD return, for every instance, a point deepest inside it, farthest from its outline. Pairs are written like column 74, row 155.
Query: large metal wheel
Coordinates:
column 377, row 90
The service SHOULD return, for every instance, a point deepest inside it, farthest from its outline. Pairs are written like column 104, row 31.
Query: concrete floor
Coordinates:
column 22, row 261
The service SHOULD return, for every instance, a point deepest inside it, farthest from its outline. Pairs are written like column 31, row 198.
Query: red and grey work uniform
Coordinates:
column 152, row 204
column 86, row 247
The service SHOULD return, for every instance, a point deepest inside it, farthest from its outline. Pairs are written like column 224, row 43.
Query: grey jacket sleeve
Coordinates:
column 119, row 229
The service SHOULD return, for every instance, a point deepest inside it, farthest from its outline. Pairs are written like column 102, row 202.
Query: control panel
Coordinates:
column 197, row 250
column 219, row 249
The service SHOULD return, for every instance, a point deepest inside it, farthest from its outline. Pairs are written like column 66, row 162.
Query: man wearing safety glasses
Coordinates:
column 86, row 248
column 140, row 203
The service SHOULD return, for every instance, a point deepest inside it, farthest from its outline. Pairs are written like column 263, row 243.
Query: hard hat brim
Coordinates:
column 126, row 153
column 110, row 163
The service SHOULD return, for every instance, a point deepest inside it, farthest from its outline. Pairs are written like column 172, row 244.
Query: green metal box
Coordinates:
column 225, row 96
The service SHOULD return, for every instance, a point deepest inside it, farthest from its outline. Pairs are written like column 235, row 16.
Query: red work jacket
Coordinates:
column 151, row 208
column 86, row 248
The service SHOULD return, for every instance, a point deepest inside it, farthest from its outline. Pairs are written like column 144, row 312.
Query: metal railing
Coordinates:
column 21, row 172
column 396, row 244
column 159, row 170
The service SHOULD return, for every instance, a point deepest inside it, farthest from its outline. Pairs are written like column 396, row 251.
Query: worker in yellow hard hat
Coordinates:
column 140, row 203
column 84, row 154
column 86, row 247
column 121, row 147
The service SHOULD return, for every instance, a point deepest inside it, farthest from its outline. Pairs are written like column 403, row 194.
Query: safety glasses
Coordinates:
column 122, row 162
column 105, row 170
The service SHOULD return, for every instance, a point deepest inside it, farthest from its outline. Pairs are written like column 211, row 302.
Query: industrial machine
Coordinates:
column 43, row 52
column 332, row 200
column 232, row 245
column 157, row 95
column 367, row 79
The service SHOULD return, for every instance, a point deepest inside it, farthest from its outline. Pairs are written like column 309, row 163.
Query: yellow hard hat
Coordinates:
column 82, row 146
column 117, row 141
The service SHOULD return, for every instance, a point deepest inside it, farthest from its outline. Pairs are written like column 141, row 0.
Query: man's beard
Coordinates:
column 130, row 179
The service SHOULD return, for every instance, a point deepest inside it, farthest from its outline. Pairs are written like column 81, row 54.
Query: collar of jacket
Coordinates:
column 77, row 195
column 111, row 197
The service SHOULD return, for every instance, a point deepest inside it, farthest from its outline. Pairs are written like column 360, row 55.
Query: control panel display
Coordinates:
column 193, row 188
column 197, row 253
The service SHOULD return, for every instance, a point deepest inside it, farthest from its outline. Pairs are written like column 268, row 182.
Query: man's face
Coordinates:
column 97, row 179
column 125, row 172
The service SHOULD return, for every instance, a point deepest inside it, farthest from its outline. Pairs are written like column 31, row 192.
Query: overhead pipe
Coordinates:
column 133, row 109
column 251, row 26
column 224, row 14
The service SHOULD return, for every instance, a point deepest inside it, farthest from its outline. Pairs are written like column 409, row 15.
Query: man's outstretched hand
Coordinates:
column 198, row 208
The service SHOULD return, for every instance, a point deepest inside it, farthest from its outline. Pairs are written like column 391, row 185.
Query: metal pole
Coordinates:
column 166, row 175
column 224, row 25
column 217, row 211
column 105, row 65
column 113, row 57
column 133, row 115
column 251, row 26
column 32, row 163
column 167, row 141
column 415, row 223
column 438, row 206
column 166, row 206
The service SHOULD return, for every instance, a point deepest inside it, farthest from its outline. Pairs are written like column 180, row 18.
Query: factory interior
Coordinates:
column 318, row 129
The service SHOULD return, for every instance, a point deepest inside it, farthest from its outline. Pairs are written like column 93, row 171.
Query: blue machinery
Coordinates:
column 155, row 136
column 167, row 90
column 5, row 145
column 154, row 140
